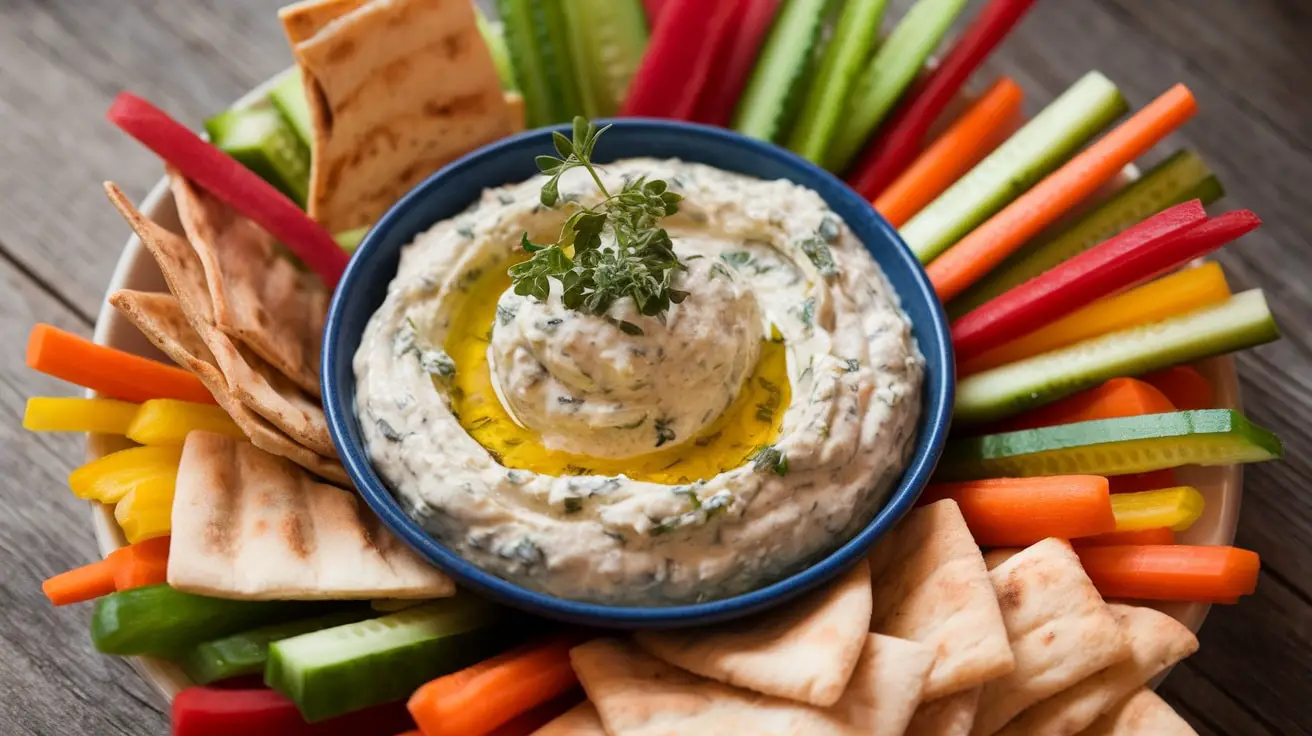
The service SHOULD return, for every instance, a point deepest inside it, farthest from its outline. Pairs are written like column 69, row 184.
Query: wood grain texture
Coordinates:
column 61, row 61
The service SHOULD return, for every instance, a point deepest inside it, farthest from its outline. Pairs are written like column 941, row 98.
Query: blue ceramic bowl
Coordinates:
column 451, row 190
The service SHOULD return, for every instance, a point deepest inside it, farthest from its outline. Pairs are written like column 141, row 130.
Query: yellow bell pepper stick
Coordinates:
column 113, row 476
column 167, row 422
column 1172, row 295
column 106, row 416
column 1173, row 508
column 147, row 510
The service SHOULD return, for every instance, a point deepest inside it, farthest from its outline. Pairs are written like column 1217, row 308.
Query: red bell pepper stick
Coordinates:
column 680, row 60
column 738, row 58
column 654, row 8
column 899, row 140
column 239, row 187
column 1159, row 244
column 1171, row 572
column 210, row 711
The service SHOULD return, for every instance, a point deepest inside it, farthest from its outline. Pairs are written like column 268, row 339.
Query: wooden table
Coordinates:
column 61, row 61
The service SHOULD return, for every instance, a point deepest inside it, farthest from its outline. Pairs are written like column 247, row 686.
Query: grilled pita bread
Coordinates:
column 805, row 652
column 930, row 586
column 259, row 297
column 886, row 686
column 397, row 89
column 1142, row 714
column 249, row 525
column 254, row 382
column 1060, row 629
column 160, row 319
column 1157, row 641
column 950, row 716
column 581, row 720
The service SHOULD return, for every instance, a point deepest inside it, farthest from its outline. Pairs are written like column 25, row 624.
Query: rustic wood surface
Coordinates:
column 61, row 61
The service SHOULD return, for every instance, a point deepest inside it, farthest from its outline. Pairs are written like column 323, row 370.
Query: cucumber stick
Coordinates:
column 854, row 38
column 1113, row 447
column 1181, row 177
column 607, row 39
column 1042, row 145
column 536, row 38
column 779, row 79
column 347, row 668
column 1242, row 321
column 158, row 620
column 263, row 141
column 246, row 653
column 351, row 239
column 288, row 95
column 889, row 74
column 494, row 36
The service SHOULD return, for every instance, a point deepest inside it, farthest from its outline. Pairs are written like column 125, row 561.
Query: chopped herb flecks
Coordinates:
column 818, row 251
column 769, row 458
column 664, row 433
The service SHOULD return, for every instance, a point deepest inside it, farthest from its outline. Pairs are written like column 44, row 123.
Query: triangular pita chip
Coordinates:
column 258, row 296
column 249, row 525
column 1141, row 714
column 950, row 716
column 255, row 383
column 995, row 557
column 581, row 720
column 930, row 586
column 301, row 21
column 1060, row 629
column 1157, row 641
column 805, row 651
column 886, row 686
column 160, row 319
column 397, row 89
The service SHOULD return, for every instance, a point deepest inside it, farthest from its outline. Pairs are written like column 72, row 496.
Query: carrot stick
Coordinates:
column 1136, row 537
column 478, row 699
column 1172, row 573
column 981, row 129
column 80, row 584
column 108, row 371
column 1135, row 482
column 1184, row 386
column 1167, row 297
column 1017, row 512
column 134, row 566
column 1119, row 397
column 984, row 248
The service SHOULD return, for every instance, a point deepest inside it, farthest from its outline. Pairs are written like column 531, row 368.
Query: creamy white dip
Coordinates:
column 760, row 255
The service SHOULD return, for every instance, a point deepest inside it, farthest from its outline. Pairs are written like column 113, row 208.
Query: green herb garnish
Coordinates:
column 641, row 263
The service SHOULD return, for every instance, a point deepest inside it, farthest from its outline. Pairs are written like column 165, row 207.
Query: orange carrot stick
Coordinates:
column 984, row 248
column 1184, row 386
column 1137, row 537
column 1119, row 397
column 143, row 563
column 1017, row 512
column 478, row 699
column 1172, row 572
column 80, row 584
column 982, row 128
column 111, row 372
column 1135, row 482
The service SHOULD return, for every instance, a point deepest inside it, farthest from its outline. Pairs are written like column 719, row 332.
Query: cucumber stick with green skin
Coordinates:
column 1042, row 145
column 494, row 36
column 854, row 38
column 1240, row 322
column 1112, row 447
column 288, row 95
column 779, row 79
column 158, row 620
column 247, row 652
column 536, row 38
column 1181, row 177
column 338, row 670
column 607, row 39
column 264, row 141
column 888, row 75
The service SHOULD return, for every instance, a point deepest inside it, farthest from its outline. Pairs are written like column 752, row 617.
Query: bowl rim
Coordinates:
column 934, row 422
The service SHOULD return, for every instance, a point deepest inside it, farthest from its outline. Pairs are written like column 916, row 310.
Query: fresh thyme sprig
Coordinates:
column 640, row 265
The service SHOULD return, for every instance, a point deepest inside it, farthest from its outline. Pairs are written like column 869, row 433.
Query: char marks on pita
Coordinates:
column 1060, row 630
column 805, row 652
column 250, row 525
column 1141, row 714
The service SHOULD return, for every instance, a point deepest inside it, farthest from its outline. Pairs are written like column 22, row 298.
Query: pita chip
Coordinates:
column 1142, row 714
column 995, row 557
column 253, row 526
column 886, row 686
column 1157, row 641
column 581, row 720
column 950, row 716
column 397, row 89
column 805, row 652
column 254, row 382
column 930, row 586
column 159, row 317
column 1060, row 629
column 259, row 298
